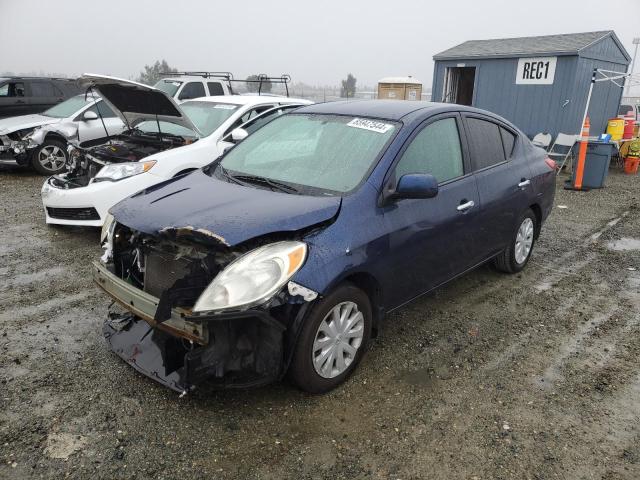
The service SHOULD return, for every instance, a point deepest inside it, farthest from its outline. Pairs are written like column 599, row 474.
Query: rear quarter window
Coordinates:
column 485, row 141
column 508, row 142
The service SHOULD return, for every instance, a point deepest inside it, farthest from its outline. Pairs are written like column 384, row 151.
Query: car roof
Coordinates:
column 389, row 109
column 249, row 99
column 386, row 109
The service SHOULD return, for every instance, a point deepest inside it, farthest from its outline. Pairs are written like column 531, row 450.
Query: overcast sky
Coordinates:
column 317, row 42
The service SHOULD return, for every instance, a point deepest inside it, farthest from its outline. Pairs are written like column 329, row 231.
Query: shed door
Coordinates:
column 458, row 85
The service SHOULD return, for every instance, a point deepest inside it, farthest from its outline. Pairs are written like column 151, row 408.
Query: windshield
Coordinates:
column 68, row 107
column 325, row 152
column 170, row 87
column 206, row 116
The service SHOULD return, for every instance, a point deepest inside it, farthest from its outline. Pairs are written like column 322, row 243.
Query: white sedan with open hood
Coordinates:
column 161, row 140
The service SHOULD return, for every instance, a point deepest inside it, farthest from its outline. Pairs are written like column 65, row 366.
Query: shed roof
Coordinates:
column 400, row 80
column 564, row 44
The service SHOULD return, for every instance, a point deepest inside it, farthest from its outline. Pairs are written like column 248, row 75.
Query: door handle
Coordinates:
column 19, row 101
column 463, row 207
column 523, row 183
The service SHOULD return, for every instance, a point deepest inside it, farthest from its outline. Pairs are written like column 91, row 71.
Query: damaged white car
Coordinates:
column 161, row 140
column 40, row 140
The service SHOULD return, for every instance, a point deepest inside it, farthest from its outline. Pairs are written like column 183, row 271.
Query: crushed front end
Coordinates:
column 157, row 280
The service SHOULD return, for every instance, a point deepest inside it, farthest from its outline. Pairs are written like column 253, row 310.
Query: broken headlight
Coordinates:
column 118, row 171
column 253, row 278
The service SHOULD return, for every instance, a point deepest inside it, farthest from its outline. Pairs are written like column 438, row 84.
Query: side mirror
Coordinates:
column 90, row 115
column 416, row 185
column 239, row 134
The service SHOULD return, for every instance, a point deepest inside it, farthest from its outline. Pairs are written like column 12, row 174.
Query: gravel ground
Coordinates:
column 533, row 376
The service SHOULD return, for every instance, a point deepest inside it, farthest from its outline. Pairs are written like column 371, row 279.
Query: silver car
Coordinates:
column 40, row 140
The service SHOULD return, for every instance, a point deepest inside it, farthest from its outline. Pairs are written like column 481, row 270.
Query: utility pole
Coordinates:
column 636, row 42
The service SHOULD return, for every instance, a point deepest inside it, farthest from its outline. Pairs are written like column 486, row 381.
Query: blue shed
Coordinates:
column 538, row 83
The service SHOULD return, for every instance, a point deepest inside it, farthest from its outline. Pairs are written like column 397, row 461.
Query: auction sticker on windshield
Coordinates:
column 225, row 106
column 372, row 125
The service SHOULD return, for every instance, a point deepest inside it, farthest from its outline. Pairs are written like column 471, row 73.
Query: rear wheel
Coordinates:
column 50, row 157
column 516, row 256
column 333, row 340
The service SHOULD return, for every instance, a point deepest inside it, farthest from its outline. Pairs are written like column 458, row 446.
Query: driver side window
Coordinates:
column 192, row 90
column 435, row 150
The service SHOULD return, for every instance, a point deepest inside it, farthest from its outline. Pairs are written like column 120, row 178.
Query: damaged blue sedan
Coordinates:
column 283, row 256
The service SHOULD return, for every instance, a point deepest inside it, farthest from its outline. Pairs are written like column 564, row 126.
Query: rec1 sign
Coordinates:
column 536, row 71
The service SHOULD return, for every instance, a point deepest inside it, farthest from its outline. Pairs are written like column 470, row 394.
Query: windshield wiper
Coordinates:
column 226, row 173
column 283, row 187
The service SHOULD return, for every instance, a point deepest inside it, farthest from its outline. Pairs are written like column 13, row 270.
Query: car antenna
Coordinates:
column 99, row 114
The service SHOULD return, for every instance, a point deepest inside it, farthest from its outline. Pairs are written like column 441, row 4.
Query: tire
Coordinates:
column 512, row 259
column 303, row 370
column 50, row 157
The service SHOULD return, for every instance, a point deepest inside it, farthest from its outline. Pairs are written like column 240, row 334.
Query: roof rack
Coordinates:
column 262, row 78
column 283, row 79
column 224, row 75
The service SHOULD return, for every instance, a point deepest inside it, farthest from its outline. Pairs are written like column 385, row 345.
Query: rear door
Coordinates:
column 433, row 239
column 43, row 95
column 503, row 176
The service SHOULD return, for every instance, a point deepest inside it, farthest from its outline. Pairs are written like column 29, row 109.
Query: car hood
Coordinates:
column 12, row 124
column 135, row 102
column 223, row 212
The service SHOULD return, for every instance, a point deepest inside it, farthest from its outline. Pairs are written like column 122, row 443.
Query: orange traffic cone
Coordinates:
column 582, row 155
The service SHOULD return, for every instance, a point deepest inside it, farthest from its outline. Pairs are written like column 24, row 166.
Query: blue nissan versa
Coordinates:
column 284, row 255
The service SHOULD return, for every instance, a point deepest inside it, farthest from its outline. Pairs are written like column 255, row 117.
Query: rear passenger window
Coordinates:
column 105, row 111
column 42, row 89
column 215, row 88
column 508, row 141
column 192, row 90
column 435, row 150
column 485, row 141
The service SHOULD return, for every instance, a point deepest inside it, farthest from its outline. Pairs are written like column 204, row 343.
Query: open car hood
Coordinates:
column 198, row 205
column 135, row 102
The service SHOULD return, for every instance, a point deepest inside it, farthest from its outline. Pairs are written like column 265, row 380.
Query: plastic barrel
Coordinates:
column 631, row 165
column 615, row 127
column 629, row 125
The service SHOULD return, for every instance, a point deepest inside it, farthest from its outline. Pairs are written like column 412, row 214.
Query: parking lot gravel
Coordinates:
column 532, row 376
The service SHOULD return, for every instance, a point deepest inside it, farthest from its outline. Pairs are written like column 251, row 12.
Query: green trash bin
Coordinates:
column 596, row 164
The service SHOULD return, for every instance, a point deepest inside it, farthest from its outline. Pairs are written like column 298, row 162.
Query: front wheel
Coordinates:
column 49, row 158
column 333, row 340
column 516, row 256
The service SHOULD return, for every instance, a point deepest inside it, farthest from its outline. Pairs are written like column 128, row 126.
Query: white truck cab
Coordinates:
column 183, row 86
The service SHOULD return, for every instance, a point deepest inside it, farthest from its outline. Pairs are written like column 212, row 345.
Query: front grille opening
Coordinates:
column 89, row 213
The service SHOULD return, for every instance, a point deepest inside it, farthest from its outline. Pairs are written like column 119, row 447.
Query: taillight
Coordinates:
column 551, row 163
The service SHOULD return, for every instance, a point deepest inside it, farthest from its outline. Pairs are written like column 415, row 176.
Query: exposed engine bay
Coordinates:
column 85, row 161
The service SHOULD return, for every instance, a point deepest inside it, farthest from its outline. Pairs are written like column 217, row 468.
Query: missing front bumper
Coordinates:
column 240, row 349
column 243, row 352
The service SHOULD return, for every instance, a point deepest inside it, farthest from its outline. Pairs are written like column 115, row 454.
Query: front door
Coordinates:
column 432, row 240
column 90, row 130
